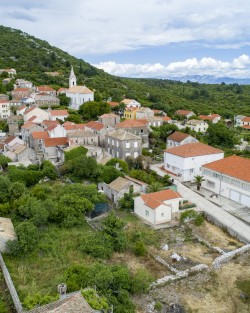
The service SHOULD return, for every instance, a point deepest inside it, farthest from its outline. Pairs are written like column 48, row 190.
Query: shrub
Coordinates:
column 139, row 248
column 94, row 300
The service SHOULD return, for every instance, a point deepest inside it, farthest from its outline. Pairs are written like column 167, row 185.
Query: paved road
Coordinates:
column 223, row 217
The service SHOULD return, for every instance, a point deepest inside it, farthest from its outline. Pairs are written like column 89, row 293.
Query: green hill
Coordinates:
column 32, row 57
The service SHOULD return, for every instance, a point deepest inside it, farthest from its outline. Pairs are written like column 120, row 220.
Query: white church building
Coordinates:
column 78, row 94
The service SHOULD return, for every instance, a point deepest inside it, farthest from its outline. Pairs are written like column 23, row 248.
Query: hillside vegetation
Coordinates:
column 32, row 57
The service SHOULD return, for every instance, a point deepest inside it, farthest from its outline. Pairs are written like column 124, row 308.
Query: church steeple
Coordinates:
column 72, row 78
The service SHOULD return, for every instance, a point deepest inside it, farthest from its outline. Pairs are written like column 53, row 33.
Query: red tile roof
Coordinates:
column 53, row 142
column 166, row 118
column 113, row 104
column 95, row 125
column 58, row 112
column 27, row 125
column 45, row 88
column 132, row 124
column 234, row 166
column 246, row 119
column 206, row 117
column 4, row 101
column 32, row 118
column 107, row 115
column 21, row 108
column 193, row 149
column 40, row 135
column 215, row 115
column 68, row 123
column 20, row 89
column 246, row 126
column 178, row 136
column 9, row 139
column 183, row 112
column 52, row 126
column 29, row 110
column 155, row 199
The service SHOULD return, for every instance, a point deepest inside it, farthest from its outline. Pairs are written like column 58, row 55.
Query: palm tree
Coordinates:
column 154, row 187
column 198, row 180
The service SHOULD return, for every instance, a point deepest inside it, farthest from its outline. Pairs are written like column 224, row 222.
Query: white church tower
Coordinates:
column 72, row 78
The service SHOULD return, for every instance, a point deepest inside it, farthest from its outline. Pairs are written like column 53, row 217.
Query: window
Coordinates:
column 117, row 144
column 162, row 214
column 113, row 142
column 127, row 145
column 146, row 212
column 135, row 144
column 191, row 170
column 141, row 131
column 210, row 184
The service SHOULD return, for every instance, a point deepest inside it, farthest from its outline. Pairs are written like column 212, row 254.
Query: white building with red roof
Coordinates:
column 246, row 122
column 58, row 114
column 158, row 208
column 46, row 90
column 177, row 139
column 186, row 160
column 185, row 113
column 40, row 114
column 53, row 148
column 230, row 178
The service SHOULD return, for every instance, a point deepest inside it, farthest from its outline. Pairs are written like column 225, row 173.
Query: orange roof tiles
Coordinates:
column 21, row 107
column 183, row 112
column 246, row 119
column 4, row 101
column 30, row 109
column 53, row 142
column 20, row 89
column 58, row 112
column 206, row 117
column 178, row 136
column 9, row 139
column 113, row 104
column 107, row 115
column 132, row 123
column 234, row 166
column 193, row 149
column 40, row 135
column 155, row 199
column 166, row 118
column 45, row 88
column 95, row 125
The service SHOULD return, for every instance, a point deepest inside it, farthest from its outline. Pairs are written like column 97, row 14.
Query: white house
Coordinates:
column 78, row 94
column 143, row 113
column 131, row 103
column 158, row 207
column 58, row 114
column 246, row 122
column 213, row 118
column 230, row 178
column 186, row 160
column 185, row 113
column 198, row 126
column 4, row 109
column 40, row 114
column 56, row 131
column 178, row 138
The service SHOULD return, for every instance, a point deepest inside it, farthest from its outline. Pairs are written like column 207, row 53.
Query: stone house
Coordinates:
column 40, row 114
column 83, row 137
column 17, row 152
column 14, row 122
column 138, row 128
column 27, row 129
column 22, row 83
column 121, row 144
column 213, row 118
column 110, row 119
column 116, row 189
column 51, row 148
column 99, row 129
column 158, row 208
column 56, row 130
column 143, row 113
column 36, row 140
column 4, row 109
column 45, row 99
column 131, row 103
column 10, row 141
column 155, row 121
column 178, row 138
column 185, row 113
column 19, row 93
column 198, row 126
column 46, row 90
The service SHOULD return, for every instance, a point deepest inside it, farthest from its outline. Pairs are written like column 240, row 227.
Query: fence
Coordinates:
column 10, row 285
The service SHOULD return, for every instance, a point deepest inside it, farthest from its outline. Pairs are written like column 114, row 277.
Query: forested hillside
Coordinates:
column 32, row 57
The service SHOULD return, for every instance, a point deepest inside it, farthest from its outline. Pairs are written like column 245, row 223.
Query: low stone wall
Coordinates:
column 10, row 285
column 178, row 274
column 229, row 256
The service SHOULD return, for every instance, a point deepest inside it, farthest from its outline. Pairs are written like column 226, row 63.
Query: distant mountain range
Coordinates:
column 209, row 79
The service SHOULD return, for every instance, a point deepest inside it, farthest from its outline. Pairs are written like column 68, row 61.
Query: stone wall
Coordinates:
column 10, row 285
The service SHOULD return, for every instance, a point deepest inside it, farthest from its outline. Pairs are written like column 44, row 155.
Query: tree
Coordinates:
column 4, row 189
column 220, row 135
column 17, row 189
column 4, row 161
column 122, row 164
column 49, row 170
column 154, row 187
column 127, row 201
column 109, row 173
column 27, row 234
column 91, row 110
column 198, row 180
column 64, row 100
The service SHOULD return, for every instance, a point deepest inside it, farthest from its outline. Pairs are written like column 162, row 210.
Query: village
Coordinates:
column 194, row 177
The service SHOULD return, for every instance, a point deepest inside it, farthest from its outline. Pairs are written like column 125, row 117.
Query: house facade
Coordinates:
column 186, row 160
column 230, row 178
column 143, row 113
column 4, row 109
column 58, row 114
column 121, row 144
column 185, row 113
column 158, row 208
column 83, row 137
column 109, row 119
column 131, row 103
column 198, row 126
column 177, row 139
column 116, row 189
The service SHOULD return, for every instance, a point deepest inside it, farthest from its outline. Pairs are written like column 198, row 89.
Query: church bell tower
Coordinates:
column 72, row 78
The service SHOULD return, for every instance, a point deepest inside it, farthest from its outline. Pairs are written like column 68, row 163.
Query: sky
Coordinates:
column 142, row 38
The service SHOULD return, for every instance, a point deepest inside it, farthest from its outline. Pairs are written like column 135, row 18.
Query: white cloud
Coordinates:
column 237, row 68
column 98, row 27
